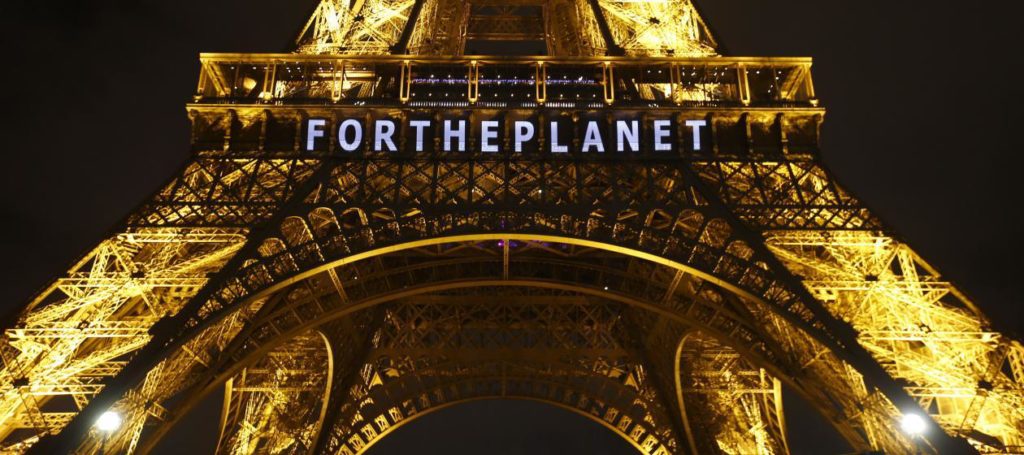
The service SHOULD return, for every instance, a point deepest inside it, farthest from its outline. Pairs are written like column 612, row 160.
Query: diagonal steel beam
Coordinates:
column 166, row 330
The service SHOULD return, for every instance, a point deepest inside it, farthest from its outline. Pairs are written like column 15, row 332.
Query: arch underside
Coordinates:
column 445, row 348
column 362, row 238
column 751, row 264
column 374, row 231
column 610, row 362
column 671, row 301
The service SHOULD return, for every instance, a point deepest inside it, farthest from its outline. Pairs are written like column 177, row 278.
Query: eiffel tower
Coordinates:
column 579, row 202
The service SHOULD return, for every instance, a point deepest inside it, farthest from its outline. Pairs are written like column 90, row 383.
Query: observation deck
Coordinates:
column 505, row 82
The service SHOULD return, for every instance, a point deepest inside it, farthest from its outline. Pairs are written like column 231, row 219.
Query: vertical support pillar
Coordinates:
column 201, row 86
column 297, row 143
column 234, row 80
column 405, row 81
column 809, row 86
column 336, row 82
column 780, row 123
column 608, row 82
column 743, row 83
column 264, row 120
column 473, row 85
column 675, row 83
column 269, row 75
column 229, row 128
column 541, row 83
column 505, row 253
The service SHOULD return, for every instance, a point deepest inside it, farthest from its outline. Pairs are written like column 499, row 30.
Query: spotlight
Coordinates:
column 108, row 422
column 913, row 424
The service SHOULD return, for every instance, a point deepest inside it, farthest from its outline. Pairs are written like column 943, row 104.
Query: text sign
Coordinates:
column 553, row 134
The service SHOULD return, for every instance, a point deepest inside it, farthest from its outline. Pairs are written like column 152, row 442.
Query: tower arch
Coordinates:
column 737, row 234
column 694, row 302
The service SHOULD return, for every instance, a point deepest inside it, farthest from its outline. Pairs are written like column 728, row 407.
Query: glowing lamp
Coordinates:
column 108, row 422
column 913, row 424
column 249, row 83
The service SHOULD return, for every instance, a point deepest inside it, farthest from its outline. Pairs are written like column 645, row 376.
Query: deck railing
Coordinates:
column 504, row 82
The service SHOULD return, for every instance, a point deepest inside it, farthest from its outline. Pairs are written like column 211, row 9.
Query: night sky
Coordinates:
column 923, row 124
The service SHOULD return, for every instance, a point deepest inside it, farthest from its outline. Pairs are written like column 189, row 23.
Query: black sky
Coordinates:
column 924, row 124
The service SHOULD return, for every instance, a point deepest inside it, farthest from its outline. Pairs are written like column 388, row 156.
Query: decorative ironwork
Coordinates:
column 667, row 294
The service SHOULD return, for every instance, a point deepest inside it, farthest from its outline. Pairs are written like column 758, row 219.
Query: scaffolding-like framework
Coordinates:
column 669, row 297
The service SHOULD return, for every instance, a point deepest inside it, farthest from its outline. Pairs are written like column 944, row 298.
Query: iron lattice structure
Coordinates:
column 668, row 296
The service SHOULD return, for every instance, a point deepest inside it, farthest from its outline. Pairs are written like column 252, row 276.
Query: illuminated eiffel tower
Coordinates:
column 381, row 224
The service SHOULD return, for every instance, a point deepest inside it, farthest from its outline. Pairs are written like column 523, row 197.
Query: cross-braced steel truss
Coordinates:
column 669, row 296
column 442, row 27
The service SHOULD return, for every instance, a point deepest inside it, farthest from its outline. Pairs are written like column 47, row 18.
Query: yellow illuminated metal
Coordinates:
column 84, row 328
column 917, row 325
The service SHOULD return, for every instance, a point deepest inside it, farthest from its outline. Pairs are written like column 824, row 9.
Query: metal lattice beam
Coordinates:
column 666, row 294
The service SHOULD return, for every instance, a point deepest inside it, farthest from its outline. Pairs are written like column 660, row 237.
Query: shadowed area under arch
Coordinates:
column 847, row 132
column 500, row 427
column 518, row 258
column 515, row 426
